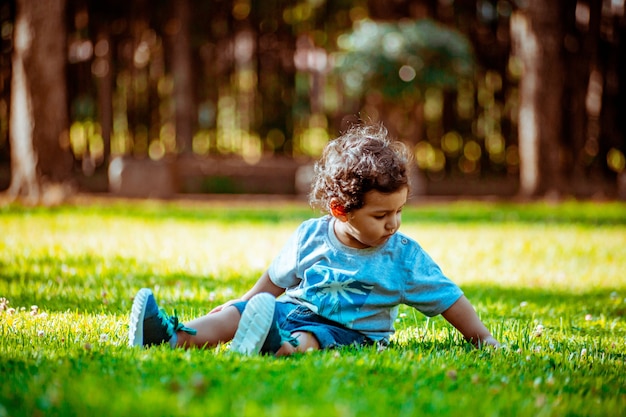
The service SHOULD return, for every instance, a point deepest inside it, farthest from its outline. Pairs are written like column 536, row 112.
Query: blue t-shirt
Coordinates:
column 360, row 288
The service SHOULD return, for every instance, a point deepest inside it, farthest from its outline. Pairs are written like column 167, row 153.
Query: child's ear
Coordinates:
column 337, row 210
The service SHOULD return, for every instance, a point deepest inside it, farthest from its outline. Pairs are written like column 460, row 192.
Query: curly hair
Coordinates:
column 360, row 160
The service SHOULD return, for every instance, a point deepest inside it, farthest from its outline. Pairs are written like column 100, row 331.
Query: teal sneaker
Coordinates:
column 151, row 326
column 258, row 331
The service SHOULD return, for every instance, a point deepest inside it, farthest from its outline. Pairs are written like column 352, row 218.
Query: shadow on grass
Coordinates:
column 83, row 284
column 90, row 284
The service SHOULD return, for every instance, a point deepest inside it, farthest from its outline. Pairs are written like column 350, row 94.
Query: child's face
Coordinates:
column 375, row 222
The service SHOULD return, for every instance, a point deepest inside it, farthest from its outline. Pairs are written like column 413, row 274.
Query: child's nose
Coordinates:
column 393, row 223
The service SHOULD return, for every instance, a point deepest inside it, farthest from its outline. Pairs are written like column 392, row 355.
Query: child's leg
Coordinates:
column 306, row 342
column 211, row 329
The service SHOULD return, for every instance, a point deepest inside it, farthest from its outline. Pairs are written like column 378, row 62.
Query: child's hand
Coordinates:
column 489, row 341
column 463, row 316
column 223, row 306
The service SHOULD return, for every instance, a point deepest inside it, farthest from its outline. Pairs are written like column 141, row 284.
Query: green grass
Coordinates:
column 548, row 279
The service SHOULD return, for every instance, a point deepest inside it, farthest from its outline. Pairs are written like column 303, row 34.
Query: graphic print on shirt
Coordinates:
column 335, row 293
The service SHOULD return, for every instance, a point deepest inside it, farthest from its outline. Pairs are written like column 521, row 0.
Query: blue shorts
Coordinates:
column 297, row 318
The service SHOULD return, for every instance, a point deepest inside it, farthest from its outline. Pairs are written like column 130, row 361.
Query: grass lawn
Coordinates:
column 548, row 280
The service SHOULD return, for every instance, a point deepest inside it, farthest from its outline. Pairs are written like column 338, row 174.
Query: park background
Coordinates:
column 206, row 111
column 166, row 98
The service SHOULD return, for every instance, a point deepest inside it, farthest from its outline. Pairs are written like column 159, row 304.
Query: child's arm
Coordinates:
column 463, row 316
column 263, row 284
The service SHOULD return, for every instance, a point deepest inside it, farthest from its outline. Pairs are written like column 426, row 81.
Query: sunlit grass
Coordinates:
column 548, row 280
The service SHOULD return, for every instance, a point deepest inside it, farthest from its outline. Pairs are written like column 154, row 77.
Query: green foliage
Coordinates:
column 403, row 57
column 547, row 280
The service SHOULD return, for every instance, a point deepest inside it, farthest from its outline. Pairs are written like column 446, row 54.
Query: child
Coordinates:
column 340, row 278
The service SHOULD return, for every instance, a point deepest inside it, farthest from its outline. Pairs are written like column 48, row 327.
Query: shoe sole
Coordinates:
column 137, row 314
column 254, row 325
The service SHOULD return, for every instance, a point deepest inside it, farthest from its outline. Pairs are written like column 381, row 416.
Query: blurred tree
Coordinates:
column 103, row 19
column 103, row 72
column 248, row 79
column 396, row 66
column 582, row 58
column 537, row 32
column 407, row 57
column 276, row 76
column 40, row 150
column 7, row 19
column 182, row 72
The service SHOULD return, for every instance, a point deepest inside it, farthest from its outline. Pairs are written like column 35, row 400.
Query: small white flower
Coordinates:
column 41, row 333
column 588, row 317
column 104, row 338
column 583, row 352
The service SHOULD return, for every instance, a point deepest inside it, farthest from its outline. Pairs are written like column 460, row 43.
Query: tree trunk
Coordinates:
column 104, row 75
column 537, row 38
column 584, row 65
column 23, row 157
column 182, row 70
column 41, row 161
